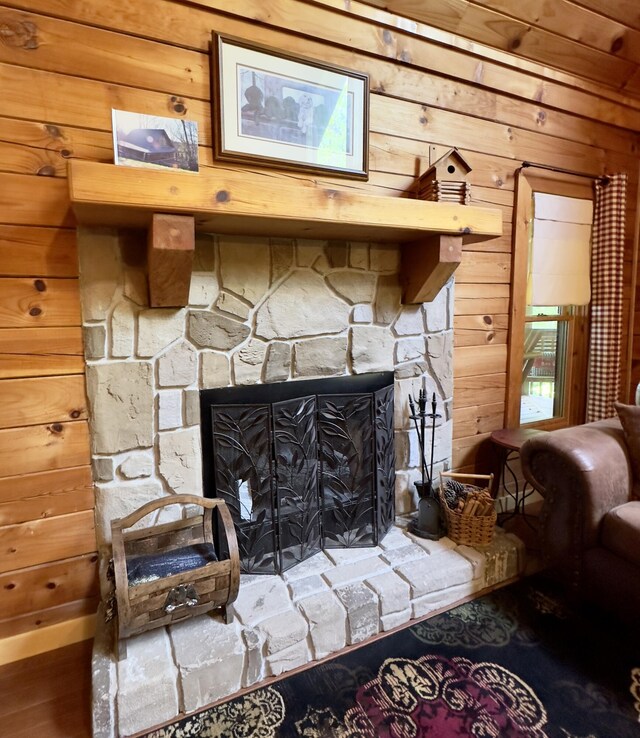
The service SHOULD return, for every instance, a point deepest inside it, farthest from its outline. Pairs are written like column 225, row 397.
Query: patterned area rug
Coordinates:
column 518, row 663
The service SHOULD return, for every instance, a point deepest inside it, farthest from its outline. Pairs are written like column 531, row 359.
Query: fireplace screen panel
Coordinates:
column 244, row 480
column 296, row 460
column 345, row 426
column 385, row 459
column 302, row 473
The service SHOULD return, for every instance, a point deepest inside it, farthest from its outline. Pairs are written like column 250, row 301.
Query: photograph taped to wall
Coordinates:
column 154, row 142
column 271, row 108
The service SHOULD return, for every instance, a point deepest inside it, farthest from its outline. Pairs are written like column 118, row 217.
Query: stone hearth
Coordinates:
column 336, row 599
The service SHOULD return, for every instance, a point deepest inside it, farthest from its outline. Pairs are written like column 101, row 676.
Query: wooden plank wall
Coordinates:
column 64, row 65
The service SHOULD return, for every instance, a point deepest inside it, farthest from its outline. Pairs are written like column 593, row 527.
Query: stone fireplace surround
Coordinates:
column 260, row 311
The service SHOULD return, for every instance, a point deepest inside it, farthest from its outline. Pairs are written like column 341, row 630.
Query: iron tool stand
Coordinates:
column 427, row 523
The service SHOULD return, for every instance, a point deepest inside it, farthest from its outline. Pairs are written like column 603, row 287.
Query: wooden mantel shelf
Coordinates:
column 238, row 202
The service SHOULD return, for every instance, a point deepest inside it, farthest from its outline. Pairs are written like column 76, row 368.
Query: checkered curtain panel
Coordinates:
column 605, row 340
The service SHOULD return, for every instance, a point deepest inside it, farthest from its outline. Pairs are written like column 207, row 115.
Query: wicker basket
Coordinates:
column 463, row 527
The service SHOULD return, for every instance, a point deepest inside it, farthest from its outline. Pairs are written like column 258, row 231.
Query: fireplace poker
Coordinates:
column 422, row 405
column 427, row 522
column 433, row 416
column 414, row 416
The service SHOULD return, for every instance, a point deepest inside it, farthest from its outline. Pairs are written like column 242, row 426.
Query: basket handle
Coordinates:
column 456, row 475
column 149, row 507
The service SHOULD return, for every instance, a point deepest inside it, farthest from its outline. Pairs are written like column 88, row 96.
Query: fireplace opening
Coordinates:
column 303, row 466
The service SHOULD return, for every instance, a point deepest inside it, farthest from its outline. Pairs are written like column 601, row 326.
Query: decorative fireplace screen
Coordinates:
column 302, row 465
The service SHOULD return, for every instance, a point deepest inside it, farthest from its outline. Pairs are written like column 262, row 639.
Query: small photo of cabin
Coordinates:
column 154, row 142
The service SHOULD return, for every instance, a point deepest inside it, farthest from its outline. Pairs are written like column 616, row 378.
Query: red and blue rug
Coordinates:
column 517, row 663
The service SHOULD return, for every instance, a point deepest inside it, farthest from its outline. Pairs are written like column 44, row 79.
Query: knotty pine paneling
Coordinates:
column 42, row 447
column 65, row 341
column 41, row 201
column 63, row 69
column 39, row 365
column 47, row 585
column 38, row 252
column 482, row 389
column 478, row 419
column 38, row 619
column 110, row 57
column 42, row 541
column 353, row 28
column 45, row 494
column 482, row 267
column 41, row 302
column 50, row 146
column 564, row 37
column 35, row 401
column 466, row 337
column 474, row 452
column 40, row 352
column 127, row 67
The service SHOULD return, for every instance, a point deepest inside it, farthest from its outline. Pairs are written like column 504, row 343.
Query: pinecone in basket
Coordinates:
column 453, row 491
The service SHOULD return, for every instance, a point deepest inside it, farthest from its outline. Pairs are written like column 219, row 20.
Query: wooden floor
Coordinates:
column 48, row 696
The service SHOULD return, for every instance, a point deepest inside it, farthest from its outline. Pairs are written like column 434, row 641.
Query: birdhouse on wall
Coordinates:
column 446, row 180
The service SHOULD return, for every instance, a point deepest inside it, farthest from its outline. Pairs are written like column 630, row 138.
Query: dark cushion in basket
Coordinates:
column 147, row 567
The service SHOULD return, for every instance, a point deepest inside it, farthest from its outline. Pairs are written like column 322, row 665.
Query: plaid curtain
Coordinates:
column 607, row 255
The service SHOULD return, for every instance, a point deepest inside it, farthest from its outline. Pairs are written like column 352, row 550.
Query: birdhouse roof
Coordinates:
column 451, row 154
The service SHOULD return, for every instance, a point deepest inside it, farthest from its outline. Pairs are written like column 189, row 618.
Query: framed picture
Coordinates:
column 154, row 142
column 283, row 111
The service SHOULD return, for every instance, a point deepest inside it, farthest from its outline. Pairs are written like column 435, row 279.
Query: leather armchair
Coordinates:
column 589, row 524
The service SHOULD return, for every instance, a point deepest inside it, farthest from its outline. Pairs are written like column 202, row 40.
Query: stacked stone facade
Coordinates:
column 260, row 310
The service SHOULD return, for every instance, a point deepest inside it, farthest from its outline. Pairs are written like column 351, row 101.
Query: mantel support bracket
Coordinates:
column 170, row 249
column 427, row 264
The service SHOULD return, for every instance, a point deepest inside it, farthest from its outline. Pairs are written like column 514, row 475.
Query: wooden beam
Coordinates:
column 427, row 265
column 170, row 259
column 241, row 202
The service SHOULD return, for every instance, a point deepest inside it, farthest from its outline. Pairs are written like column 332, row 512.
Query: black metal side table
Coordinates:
column 507, row 443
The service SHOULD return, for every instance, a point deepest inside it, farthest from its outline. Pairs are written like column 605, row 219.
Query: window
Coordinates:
column 543, row 364
column 550, row 296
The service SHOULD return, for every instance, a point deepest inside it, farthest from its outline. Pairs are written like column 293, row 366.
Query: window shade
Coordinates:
column 560, row 256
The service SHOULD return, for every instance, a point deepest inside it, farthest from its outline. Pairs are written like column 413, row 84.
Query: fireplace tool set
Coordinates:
column 427, row 523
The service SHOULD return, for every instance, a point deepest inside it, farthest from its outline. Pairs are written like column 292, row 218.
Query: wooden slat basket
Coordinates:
column 181, row 574
column 474, row 522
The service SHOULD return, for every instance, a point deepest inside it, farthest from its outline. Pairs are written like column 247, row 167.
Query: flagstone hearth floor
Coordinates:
column 335, row 599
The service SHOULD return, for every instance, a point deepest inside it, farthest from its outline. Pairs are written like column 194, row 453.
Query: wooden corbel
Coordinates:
column 170, row 249
column 427, row 264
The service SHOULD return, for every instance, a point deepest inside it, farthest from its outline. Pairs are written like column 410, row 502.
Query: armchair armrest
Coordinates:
column 581, row 472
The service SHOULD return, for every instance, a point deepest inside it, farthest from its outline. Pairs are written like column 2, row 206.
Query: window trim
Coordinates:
column 526, row 184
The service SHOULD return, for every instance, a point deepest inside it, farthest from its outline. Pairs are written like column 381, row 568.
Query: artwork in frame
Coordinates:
column 274, row 109
column 154, row 141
